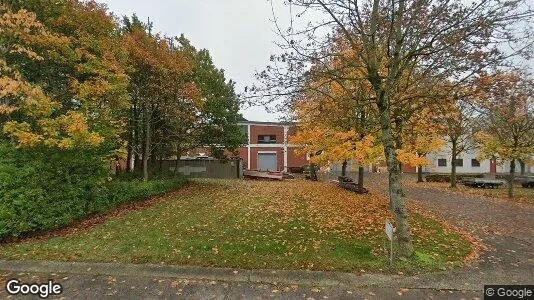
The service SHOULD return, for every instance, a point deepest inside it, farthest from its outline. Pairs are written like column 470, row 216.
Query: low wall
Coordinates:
column 205, row 168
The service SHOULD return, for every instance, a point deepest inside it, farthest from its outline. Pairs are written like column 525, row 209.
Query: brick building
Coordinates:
column 268, row 146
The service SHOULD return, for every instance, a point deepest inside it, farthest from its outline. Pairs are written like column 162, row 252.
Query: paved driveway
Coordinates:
column 505, row 227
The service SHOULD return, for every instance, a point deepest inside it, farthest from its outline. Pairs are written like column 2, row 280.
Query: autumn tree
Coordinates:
column 421, row 135
column 332, row 139
column 62, row 85
column 459, row 122
column 439, row 39
column 507, row 130
column 85, row 75
column 218, row 117
column 334, row 116
column 164, row 94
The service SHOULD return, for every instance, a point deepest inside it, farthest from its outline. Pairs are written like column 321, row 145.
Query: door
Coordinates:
column 493, row 166
column 267, row 161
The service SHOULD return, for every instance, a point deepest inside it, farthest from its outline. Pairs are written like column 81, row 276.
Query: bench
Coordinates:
column 348, row 184
column 527, row 181
column 482, row 183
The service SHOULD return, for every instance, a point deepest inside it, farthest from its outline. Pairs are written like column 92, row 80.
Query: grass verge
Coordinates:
column 254, row 224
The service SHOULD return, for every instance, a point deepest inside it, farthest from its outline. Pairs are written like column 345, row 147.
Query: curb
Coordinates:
column 454, row 280
column 322, row 278
column 301, row 277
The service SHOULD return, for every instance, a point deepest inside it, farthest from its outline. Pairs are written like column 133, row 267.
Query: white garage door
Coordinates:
column 267, row 161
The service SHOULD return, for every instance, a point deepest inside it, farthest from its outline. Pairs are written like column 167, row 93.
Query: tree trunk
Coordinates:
column 146, row 148
column 138, row 143
column 382, row 88
column 397, row 198
column 419, row 174
column 511, row 179
column 398, row 204
column 453, row 164
column 344, row 168
column 177, row 160
column 130, row 165
column 129, row 155
column 360, row 178
column 313, row 172
column 522, row 166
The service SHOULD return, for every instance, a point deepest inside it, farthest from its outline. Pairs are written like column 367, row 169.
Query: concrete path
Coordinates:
column 506, row 228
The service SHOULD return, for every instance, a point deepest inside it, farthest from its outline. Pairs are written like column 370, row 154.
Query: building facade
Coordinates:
column 268, row 147
column 467, row 162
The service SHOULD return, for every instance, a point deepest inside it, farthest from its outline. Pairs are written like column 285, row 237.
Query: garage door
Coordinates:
column 267, row 161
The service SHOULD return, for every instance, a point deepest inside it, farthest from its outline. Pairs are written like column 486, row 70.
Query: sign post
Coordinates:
column 389, row 232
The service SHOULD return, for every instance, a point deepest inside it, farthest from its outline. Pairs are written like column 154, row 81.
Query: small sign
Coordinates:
column 389, row 230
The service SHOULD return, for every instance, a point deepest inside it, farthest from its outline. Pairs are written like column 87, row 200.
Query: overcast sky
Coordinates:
column 238, row 33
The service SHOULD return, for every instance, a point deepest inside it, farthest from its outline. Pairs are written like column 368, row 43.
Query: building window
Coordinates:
column 459, row 162
column 266, row 139
column 475, row 162
column 442, row 162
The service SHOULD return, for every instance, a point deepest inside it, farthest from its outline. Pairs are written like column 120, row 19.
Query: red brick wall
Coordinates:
column 294, row 159
column 408, row 169
column 243, row 153
column 256, row 130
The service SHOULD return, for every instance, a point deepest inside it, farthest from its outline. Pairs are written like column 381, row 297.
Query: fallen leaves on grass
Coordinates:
column 246, row 224
column 477, row 246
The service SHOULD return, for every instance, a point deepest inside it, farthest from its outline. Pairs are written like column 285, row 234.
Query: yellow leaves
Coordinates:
column 94, row 139
column 38, row 109
column 495, row 146
column 29, row 53
column 9, row 86
column 24, row 32
column 36, row 103
column 64, row 132
column 336, row 146
column 21, row 132
column 505, row 98
column 6, row 109
column 75, row 127
column 12, row 126
column 27, row 139
column 65, row 144
column 90, row 56
column 411, row 158
column 22, row 95
column 74, row 124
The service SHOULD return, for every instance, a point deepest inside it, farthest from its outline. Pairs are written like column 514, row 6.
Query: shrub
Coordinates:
column 42, row 189
column 447, row 177
column 298, row 170
column 119, row 192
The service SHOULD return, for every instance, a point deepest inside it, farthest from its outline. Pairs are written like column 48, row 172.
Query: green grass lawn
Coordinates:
column 253, row 224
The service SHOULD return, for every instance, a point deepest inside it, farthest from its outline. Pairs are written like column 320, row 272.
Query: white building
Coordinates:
column 440, row 162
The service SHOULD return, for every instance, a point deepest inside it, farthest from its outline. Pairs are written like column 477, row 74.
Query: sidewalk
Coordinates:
column 132, row 281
